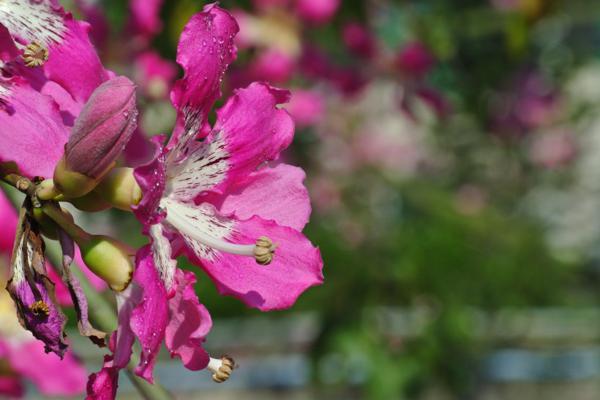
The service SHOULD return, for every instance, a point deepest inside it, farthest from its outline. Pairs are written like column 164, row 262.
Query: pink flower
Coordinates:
column 210, row 194
column 49, row 70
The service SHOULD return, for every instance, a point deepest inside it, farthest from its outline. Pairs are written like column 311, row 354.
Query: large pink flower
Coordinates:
column 211, row 194
column 210, row 189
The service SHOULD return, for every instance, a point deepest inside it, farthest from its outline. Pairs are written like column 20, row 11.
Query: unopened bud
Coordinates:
column 99, row 135
column 108, row 259
column 120, row 189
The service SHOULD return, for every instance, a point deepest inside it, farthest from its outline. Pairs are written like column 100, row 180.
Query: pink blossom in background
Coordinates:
column 268, row 4
column 530, row 103
column 317, row 11
column 94, row 15
column 306, row 107
column 415, row 60
column 144, row 19
column 552, row 149
column 359, row 40
column 154, row 74
column 272, row 66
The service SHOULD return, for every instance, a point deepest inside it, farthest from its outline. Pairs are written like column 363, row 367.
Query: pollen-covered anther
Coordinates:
column 40, row 309
column 264, row 250
column 221, row 368
column 35, row 54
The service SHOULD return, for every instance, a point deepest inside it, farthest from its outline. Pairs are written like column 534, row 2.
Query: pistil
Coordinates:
column 262, row 250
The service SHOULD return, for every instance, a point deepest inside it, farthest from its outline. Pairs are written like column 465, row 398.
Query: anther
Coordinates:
column 221, row 368
column 264, row 250
column 35, row 54
column 40, row 309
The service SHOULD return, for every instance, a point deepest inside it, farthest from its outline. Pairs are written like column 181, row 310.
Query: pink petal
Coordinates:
column 205, row 51
column 149, row 318
column 250, row 130
column 103, row 385
column 74, row 63
column 189, row 323
column 276, row 193
column 122, row 340
column 152, row 180
column 31, row 126
column 8, row 50
column 51, row 375
column 296, row 266
column 9, row 219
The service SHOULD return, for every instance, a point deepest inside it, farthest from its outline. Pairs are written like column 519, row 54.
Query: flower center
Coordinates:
column 262, row 251
column 35, row 54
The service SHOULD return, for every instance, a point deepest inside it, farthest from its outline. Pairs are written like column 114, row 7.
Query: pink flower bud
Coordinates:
column 102, row 129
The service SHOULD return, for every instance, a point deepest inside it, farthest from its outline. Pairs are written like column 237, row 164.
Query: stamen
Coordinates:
column 262, row 251
column 221, row 369
column 40, row 309
column 35, row 54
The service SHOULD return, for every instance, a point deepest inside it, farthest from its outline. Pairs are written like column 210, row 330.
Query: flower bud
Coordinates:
column 120, row 189
column 108, row 259
column 101, row 131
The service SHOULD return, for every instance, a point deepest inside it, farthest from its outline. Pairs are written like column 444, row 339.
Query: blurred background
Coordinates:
column 452, row 152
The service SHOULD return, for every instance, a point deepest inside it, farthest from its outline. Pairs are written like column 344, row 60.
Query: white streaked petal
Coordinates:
column 205, row 167
column 32, row 21
column 199, row 221
column 161, row 252
column 19, row 260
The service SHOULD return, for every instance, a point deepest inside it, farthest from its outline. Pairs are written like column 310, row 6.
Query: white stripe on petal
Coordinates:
column 18, row 262
column 205, row 167
column 161, row 252
column 32, row 21
column 202, row 229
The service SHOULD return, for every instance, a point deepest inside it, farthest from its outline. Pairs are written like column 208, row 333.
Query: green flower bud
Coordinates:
column 120, row 189
column 108, row 259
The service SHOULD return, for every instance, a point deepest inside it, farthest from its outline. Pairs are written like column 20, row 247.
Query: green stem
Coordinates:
column 65, row 222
